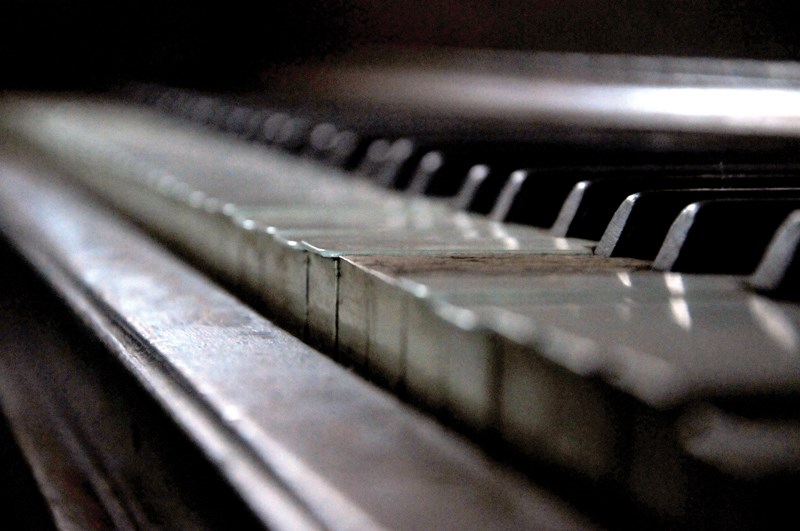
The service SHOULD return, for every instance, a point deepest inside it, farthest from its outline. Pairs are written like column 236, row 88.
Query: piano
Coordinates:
column 407, row 287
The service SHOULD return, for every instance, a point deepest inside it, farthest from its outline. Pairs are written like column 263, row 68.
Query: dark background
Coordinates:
column 60, row 44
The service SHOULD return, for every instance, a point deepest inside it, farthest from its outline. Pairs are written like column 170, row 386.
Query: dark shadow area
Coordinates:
column 21, row 503
column 87, row 44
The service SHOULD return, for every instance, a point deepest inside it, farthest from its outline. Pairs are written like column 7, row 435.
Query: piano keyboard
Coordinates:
column 583, row 314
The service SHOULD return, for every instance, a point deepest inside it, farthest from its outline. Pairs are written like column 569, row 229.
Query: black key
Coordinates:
column 538, row 200
column 320, row 140
column 238, row 120
column 374, row 157
column 487, row 189
column 441, row 174
column 430, row 163
column 444, row 171
column 434, row 168
column 251, row 129
column 725, row 236
column 642, row 221
column 293, row 134
column 508, row 195
column 439, row 168
column 347, row 149
column 591, row 204
column 778, row 274
column 271, row 126
column 398, row 163
column 476, row 176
